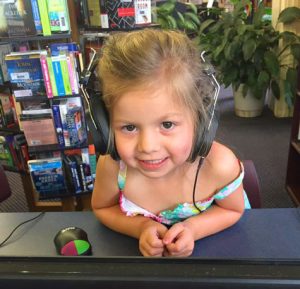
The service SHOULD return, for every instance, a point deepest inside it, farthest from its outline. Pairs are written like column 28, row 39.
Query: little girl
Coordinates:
column 155, row 188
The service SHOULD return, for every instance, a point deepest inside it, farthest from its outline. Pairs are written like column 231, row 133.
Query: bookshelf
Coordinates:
column 34, row 41
column 293, row 165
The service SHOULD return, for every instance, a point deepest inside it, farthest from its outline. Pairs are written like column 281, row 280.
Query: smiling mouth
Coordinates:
column 152, row 164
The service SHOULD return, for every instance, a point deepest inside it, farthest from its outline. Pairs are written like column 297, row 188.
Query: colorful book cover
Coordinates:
column 25, row 72
column 47, row 177
column 39, row 129
column 87, row 168
column 43, row 9
column 62, row 48
column 18, row 18
column 57, row 71
column 36, row 16
column 58, row 16
column 46, row 74
column 120, row 13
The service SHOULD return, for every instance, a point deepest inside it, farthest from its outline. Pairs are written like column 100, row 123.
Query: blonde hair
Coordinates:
column 151, row 59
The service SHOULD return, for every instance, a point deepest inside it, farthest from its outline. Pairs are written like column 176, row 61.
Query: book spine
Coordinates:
column 58, row 76
column 75, row 177
column 71, row 73
column 58, row 124
column 76, row 72
column 63, row 108
column 51, row 75
column 65, row 75
column 36, row 16
column 46, row 75
column 43, row 9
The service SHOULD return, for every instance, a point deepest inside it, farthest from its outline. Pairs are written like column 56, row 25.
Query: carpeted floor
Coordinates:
column 265, row 140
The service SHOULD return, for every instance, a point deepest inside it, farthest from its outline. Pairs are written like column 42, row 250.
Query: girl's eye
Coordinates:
column 129, row 127
column 167, row 124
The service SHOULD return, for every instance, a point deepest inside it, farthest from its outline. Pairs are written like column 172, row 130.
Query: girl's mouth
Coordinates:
column 152, row 164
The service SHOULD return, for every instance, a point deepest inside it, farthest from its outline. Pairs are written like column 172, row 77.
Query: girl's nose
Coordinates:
column 148, row 142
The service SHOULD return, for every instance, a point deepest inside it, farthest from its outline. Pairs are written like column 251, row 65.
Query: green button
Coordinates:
column 81, row 246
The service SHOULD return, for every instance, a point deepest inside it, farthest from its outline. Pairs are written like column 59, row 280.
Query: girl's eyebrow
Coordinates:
column 163, row 117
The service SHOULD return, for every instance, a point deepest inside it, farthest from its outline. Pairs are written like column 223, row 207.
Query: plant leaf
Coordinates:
column 193, row 7
column 206, row 24
column 288, row 94
column 275, row 89
column 172, row 22
column 193, row 17
column 263, row 79
column 295, row 49
column 248, row 48
column 258, row 15
column 289, row 15
column 291, row 78
column 272, row 63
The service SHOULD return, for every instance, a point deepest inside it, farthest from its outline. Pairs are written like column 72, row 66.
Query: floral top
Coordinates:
column 181, row 211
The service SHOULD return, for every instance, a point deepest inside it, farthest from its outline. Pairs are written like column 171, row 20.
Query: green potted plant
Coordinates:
column 247, row 54
column 171, row 14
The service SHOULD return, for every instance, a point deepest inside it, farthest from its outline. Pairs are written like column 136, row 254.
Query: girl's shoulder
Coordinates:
column 223, row 163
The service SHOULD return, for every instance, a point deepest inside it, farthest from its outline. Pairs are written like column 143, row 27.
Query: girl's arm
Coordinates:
column 223, row 214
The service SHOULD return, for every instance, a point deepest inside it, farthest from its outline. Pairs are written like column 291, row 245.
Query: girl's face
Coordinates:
column 153, row 134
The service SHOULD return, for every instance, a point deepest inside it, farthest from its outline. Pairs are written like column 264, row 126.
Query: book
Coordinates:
column 43, row 9
column 57, row 71
column 39, row 129
column 25, row 73
column 94, row 13
column 46, row 74
column 72, row 176
column 16, row 18
column 58, row 124
column 58, row 16
column 5, row 155
column 51, row 75
column 5, row 48
column 65, row 74
column 63, row 48
column 7, row 110
column 120, row 13
column 47, row 177
column 36, row 16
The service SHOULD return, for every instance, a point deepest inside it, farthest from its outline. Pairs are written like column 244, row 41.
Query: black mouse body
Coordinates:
column 72, row 241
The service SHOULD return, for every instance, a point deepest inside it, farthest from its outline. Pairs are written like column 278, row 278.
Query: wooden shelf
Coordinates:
column 14, row 130
column 35, row 38
column 296, row 146
column 54, row 147
column 294, row 192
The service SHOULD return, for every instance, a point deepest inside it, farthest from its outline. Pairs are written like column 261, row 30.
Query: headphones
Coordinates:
column 97, row 116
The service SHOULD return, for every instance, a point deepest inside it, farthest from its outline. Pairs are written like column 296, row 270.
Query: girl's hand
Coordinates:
column 179, row 241
column 150, row 241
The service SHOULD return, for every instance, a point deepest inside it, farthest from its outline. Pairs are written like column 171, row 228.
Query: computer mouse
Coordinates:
column 72, row 241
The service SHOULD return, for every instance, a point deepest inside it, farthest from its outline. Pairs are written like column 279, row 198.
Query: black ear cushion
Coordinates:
column 205, row 138
column 100, row 129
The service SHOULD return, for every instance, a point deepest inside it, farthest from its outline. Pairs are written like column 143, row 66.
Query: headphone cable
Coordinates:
column 195, row 183
column 8, row 237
